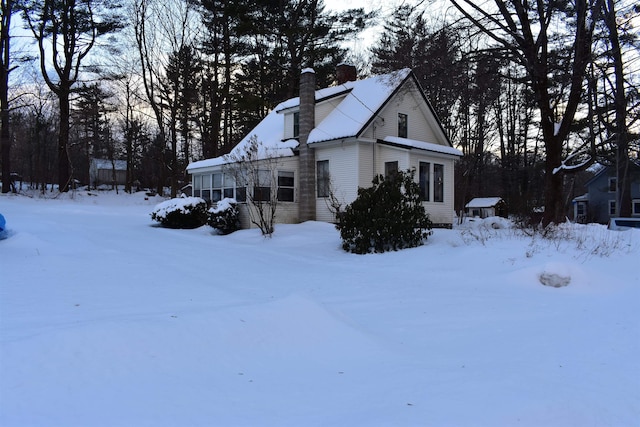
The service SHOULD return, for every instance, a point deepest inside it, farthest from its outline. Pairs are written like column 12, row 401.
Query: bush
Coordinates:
column 387, row 216
column 225, row 217
column 182, row 212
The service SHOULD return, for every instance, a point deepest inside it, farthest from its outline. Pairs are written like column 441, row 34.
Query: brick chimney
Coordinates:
column 346, row 73
column 307, row 172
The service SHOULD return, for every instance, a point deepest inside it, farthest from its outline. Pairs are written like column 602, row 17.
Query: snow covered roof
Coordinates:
column 364, row 100
column 361, row 101
column 583, row 198
column 483, row 202
column 428, row 146
column 270, row 132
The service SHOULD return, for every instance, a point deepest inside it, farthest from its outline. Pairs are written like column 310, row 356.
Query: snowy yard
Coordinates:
column 107, row 320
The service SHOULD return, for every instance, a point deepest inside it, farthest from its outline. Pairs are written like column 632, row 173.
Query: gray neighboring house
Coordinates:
column 599, row 203
column 101, row 171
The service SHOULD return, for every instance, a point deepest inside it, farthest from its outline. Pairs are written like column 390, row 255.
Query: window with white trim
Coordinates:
column 322, row 178
column 285, row 186
column 403, row 125
column 438, row 183
column 216, row 189
column 613, row 184
column 206, row 187
column 262, row 188
column 423, row 180
column 612, row 207
column 635, row 207
column 296, row 124
column 390, row 169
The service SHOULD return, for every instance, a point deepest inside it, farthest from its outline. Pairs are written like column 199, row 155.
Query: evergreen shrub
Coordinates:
column 181, row 212
column 387, row 216
column 225, row 217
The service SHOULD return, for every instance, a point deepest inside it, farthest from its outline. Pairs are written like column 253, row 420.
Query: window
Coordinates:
column 262, row 188
column 322, row 178
column 216, row 191
column 285, row 186
column 206, row 187
column 228, row 186
column 635, row 207
column 241, row 194
column 403, row 122
column 217, row 186
column 438, row 183
column 423, row 180
column 296, row 124
column 613, row 184
column 612, row 207
column 580, row 208
column 390, row 169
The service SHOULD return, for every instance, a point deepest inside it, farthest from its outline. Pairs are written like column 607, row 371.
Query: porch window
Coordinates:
column 438, row 183
column 228, row 186
column 403, row 128
column 322, row 178
column 285, row 186
column 423, row 180
column 216, row 191
column 206, row 187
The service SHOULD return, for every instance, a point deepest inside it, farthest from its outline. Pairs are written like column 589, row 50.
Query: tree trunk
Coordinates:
column 63, row 138
column 623, row 199
column 5, row 140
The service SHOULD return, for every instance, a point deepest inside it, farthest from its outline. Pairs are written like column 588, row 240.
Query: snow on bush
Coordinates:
column 225, row 216
column 182, row 212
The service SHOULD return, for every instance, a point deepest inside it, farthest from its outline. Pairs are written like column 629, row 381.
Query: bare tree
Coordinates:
column 529, row 32
column 69, row 28
column 255, row 169
column 160, row 29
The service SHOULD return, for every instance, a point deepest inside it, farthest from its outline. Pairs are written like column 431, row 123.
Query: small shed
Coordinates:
column 102, row 171
column 484, row 207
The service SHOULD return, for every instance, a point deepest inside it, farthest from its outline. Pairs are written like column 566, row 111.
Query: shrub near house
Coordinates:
column 182, row 212
column 387, row 216
column 225, row 217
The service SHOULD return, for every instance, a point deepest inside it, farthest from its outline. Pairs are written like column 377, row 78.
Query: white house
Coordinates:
column 330, row 142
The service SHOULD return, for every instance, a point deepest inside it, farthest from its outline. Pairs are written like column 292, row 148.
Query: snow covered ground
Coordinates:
column 108, row 320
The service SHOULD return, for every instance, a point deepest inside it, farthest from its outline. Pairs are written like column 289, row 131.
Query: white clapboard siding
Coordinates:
column 409, row 101
column 343, row 167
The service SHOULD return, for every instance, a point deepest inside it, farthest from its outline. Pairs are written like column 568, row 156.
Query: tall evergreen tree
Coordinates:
column 435, row 55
